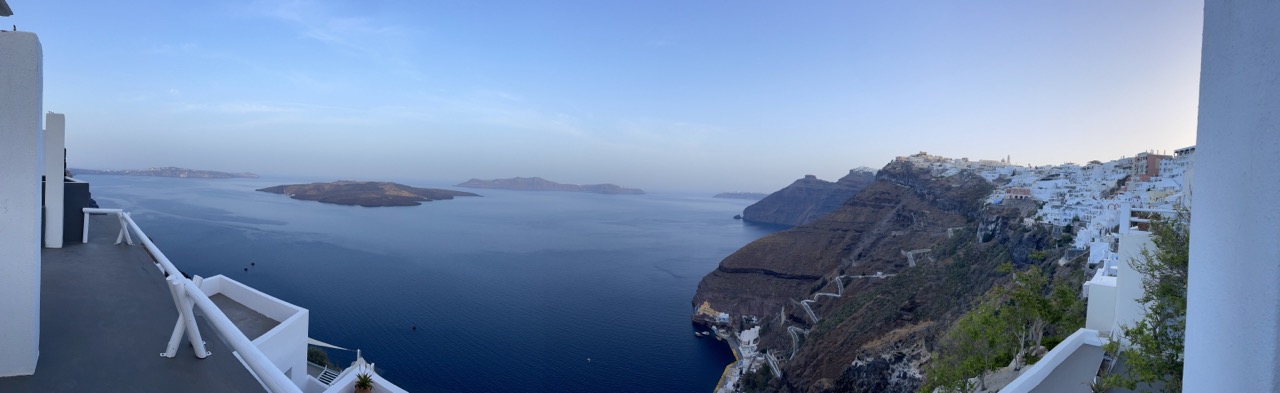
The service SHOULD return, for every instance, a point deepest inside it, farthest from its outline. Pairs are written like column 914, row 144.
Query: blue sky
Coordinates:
column 661, row 95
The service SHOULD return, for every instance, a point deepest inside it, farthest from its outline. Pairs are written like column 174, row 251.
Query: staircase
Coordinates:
column 327, row 376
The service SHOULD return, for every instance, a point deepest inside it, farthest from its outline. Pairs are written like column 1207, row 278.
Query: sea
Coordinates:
column 515, row 291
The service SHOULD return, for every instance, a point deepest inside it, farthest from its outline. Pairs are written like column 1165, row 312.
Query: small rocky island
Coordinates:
column 540, row 184
column 167, row 171
column 364, row 193
column 751, row 196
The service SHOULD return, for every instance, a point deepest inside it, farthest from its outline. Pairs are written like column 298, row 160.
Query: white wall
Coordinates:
column 285, row 344
column 1233, row 307
column 1101, row 312
column 55, row 126
column 347, row 383
column 21, row 96
column 1129, row 281
column 263, row 303
column 1048, row 374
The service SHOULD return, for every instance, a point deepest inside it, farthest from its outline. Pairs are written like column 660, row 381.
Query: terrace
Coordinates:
column 105, row 313
column 88, row 313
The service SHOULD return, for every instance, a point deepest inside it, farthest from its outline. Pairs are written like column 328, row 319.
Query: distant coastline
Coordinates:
column 167, row 171
column 364, row 193
column 752, row 196
column 540, row 184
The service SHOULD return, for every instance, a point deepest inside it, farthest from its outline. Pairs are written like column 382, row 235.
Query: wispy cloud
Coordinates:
column 240, row 108
column 299, row 78
column 359, row 36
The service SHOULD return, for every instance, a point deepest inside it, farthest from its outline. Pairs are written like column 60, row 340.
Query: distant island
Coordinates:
column 540, row 184
column 754, row 196
column 167, row 171
column 364, row 193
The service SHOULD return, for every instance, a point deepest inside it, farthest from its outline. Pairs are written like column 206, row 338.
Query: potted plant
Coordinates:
column 364, row 383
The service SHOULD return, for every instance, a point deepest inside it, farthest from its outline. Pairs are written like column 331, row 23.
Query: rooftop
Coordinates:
column 105, row 317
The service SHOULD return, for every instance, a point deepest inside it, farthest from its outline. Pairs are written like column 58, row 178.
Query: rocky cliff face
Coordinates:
column 807, row 199
column 852, row 300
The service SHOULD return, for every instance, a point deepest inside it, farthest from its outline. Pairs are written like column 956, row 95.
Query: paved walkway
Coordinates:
column 105, row 317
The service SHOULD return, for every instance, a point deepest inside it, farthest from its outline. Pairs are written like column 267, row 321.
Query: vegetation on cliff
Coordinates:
column 1010, row 324
column 1007, row 325
column 1157, row 340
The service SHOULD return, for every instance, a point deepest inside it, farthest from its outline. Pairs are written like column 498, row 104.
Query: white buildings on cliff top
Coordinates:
column 1106, row 204
column 1072, row 193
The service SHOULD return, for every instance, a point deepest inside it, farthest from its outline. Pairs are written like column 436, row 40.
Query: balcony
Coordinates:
column 105, row 314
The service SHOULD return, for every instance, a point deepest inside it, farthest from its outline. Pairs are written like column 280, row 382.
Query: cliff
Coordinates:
column 852, row 300
column 364, row 193
column 540, row 184
column 807, row 199
column 167, row 171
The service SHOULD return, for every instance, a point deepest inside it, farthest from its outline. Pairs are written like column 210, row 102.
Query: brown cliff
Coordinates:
column 875, row 334
column 807, row 199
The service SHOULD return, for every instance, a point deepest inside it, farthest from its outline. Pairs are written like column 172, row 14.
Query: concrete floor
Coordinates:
column 105, row 317
column 252, row 323
column 1075, row 373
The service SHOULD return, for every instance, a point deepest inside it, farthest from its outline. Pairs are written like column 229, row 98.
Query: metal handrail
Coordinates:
column 151, row 247
column 258, row 363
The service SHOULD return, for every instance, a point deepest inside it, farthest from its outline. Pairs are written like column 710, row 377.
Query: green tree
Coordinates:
column 1010, row 319
column 1067, row 310
column 1034, row 305
column 1038, row 256
column 318, row 356
column 1027, row 312
column 972, row 347
column 1156, row 341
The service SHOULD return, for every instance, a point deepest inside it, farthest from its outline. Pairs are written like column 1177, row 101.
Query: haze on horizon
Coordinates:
column 659, row 95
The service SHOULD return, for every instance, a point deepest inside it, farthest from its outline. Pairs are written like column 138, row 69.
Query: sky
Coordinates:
column 677, row 95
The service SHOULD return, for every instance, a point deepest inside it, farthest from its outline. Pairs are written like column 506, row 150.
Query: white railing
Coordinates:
column 187, row 295
column 1127, row 220
column 124, row 233
column 1035, row 375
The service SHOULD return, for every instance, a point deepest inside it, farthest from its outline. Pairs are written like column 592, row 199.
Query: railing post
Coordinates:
column 174, row 339
column 187, row 314
column 85, row 238
column 124, row 229
column 179, row 327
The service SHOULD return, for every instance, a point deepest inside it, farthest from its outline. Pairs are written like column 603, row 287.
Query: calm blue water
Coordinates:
column 510, row 292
